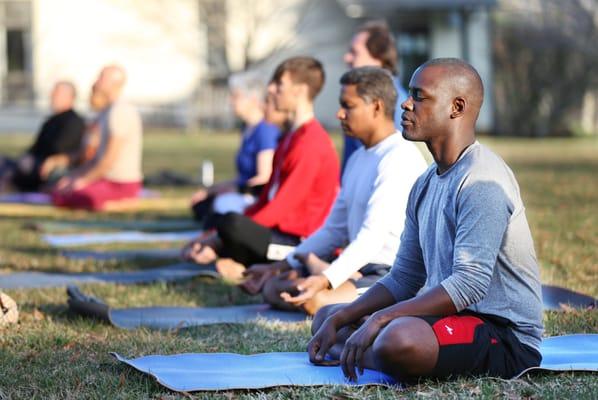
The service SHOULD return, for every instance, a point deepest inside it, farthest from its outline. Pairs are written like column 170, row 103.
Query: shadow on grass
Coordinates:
column 35, row 250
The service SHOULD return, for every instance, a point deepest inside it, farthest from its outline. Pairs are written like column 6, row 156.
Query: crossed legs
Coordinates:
column 405, row 349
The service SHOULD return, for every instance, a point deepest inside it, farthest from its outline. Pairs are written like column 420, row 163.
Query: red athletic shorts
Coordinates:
column 95, row 195
column 479, row 344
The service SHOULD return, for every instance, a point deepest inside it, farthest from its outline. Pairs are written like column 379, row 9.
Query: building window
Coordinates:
column 414, row 50
column 15, row 50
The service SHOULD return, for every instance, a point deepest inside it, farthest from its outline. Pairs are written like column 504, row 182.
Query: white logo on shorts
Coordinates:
column 449, row 329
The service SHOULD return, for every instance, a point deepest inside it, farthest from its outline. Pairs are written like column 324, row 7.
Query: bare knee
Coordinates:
column 392, row 344
column 406, row 347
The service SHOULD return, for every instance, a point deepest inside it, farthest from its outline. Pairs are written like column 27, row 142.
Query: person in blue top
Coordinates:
column 254, row 158
column 373, row 46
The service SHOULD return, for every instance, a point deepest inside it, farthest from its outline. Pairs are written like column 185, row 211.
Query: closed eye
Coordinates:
column 345, row 105
column 416, row 94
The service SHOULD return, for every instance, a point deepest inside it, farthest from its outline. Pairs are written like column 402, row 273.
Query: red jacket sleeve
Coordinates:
column 300, row 169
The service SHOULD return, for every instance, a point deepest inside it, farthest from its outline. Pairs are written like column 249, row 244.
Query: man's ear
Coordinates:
column 378, row 107
column 458, row 107
column 303, row 90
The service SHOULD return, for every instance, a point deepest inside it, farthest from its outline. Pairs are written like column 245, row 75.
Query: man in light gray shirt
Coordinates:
column 463, row 296
column 368, row 214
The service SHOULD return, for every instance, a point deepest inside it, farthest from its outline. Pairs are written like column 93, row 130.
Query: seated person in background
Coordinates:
column 113, row 172
column 367, row 215
column 254, row 158
column 373, row 46
column 301, row 189
column 463, row 296
column 60, row 135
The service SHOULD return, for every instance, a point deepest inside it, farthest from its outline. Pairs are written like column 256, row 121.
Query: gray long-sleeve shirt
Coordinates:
column 466, row 230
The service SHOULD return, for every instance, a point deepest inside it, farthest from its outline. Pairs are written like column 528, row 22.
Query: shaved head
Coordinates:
column 459, row 79
column 108, row 86
column 115, row 75
column 67, row 86
column 63, row 96
column 445, row 97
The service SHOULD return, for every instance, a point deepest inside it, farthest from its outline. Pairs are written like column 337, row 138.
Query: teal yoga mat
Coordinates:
column 226, row 371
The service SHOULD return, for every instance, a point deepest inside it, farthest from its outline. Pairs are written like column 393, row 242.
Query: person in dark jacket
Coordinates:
column 59, row 136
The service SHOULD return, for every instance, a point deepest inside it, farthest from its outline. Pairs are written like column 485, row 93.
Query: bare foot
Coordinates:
column 230, row 270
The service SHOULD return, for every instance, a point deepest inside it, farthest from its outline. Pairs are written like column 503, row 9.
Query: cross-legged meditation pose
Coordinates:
column 301, row 189
column 367, row 216
column 113, row 171
column 463, row 296
column 59, row 136
column 373, row 46
column 254, row 158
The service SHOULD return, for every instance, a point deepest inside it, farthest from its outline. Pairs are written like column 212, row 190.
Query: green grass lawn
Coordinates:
column 52, row 354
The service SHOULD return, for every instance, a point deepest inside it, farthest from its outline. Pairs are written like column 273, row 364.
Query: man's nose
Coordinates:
column 407, row 104
column 340, row 114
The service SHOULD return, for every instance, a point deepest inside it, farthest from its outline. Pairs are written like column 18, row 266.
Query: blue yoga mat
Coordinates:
column 26, row 198
column 182, row 317
column 39, row 198
column 226, row 371
column 26, row 280
column 83, row 239
column 569, row 353
column 121, row 255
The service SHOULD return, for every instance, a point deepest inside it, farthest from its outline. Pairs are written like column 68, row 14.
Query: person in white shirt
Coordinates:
column 367, row 216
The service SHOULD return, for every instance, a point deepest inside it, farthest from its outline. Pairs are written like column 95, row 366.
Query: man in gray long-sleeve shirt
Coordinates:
column 464, row 295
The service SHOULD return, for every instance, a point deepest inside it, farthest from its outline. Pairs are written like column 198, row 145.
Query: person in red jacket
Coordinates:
column 301, row 190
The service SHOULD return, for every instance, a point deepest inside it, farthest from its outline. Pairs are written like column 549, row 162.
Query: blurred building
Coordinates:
column 158, row 42
column 428, row 29
column 179, row 53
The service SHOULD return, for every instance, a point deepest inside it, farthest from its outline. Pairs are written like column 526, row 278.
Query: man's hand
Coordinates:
column 26, row 164
column 321, row 342
column 356, row 346
column 201, row 250
column 190, row 248
column 258, row 274
column 199, row 196
column 308, row 288
column 70, row 183
column 314, row 264
column 51, row 163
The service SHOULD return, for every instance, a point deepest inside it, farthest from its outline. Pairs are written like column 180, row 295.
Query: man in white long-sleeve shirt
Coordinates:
column 367, row 217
